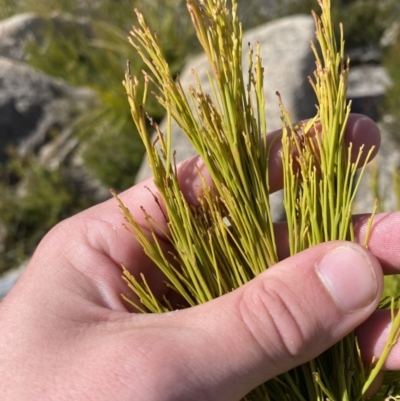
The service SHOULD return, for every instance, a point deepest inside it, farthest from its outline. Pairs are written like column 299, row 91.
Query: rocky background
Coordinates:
column 63, row 142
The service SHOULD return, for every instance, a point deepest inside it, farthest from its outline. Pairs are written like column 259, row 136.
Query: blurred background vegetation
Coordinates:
column 97, row 59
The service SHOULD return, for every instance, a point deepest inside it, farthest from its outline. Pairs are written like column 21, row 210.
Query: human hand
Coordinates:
column 65, row 332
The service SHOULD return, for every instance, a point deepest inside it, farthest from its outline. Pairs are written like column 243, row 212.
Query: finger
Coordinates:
column 372, row 337
column 383, row 243
column 284, row 317
column 384, row 240
column 375, row 386
column 360, row 131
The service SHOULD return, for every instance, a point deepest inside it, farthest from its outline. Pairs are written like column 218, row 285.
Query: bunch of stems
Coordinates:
column 228, row 238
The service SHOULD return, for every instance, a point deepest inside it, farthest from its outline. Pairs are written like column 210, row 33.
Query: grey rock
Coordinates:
column 36, row 113
column 391, row 34
column 386, row 163
column 56, row 152
column 368, row 80
column 364, row 55
column 368, row 84
column 17, row 31
column 64, row 152
column 251, row 13
column 86, row 183
column 33, row 105
column 35, row 110
column 257, row 12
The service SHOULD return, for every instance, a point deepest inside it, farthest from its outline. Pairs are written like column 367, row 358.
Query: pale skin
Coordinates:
column 66, row 333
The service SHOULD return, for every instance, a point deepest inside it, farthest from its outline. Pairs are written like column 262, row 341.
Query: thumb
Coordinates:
column 284, row 317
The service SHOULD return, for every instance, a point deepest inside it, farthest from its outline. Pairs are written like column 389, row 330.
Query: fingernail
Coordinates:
column 349, row 277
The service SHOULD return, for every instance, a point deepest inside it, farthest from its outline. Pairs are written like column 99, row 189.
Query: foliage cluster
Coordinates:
column 33, row 199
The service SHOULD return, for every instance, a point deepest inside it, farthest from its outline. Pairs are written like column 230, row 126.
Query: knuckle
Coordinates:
column 274, row 318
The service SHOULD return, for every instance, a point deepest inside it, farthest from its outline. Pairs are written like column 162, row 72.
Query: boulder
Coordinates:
column 368, row 84
column 17, row 31
column 34, row 107
column 378, row 179
column 36, row 111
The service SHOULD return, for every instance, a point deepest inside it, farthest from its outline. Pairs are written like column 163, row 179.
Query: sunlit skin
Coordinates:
column 66, row 333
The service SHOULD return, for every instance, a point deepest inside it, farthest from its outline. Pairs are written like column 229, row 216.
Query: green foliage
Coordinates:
column 33, row 199
column 7, row 8
column 364, row 20
column 391, row 104
column 114, row 156
column 392, row 286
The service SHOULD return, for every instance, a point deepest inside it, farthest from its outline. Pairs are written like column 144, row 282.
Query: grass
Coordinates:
column 33, row 199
